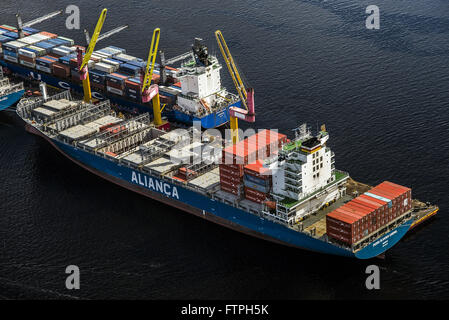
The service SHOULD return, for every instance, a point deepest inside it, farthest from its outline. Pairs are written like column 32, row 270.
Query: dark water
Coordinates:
column 382, row 94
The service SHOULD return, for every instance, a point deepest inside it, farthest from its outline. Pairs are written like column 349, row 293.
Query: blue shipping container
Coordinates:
column 30, row 30
column 12, row 34
column 10, row 53
column 255, row 186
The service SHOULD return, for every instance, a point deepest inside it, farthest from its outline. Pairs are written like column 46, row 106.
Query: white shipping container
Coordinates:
column 126, row 57
column 40, row 51
column 116, row 51
column 97, row 57
column 70, row 49
column 12, row 59
column 15, row 45
column 104, row 67
column 39, row 38
column 114, row 90
column 60, row 52
column 72, row 42
column 102, row 55
column 43, row 69
column 111, row 62
column 27, row 53
column 33, row 39
column 28, row 64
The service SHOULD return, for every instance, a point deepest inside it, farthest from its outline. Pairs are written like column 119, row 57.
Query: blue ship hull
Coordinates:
column 166, row 191
column 209, row 121
column 10, row 99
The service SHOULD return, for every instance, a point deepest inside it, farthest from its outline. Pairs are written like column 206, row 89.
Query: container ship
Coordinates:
column 114, row 75
column 287, row 191
column 9, row 93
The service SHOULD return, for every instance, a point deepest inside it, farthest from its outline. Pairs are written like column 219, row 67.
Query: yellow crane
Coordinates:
column 246, row 95
column 82, row 62
column 151, row 92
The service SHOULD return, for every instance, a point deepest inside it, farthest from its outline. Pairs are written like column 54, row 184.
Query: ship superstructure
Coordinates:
column 201, row 89
column 304, row 176
column 9, row 93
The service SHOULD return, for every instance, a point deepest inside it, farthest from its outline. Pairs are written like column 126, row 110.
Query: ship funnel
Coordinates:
column 43, row 89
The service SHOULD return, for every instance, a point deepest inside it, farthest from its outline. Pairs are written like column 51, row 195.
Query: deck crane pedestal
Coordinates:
column 246, row 95
column 21, row 25
column 150, row 92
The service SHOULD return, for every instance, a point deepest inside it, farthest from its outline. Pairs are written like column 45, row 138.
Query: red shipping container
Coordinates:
column 98, row 86
column 119, row 86
column 229, row 190
column 256, row 169
column 61, row 70
column 236, row 168
column 228, row 172
column 27, row 59
column 48, row 34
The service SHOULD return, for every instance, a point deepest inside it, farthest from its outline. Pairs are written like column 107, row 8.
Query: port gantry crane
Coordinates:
column 21, row 25
column 150, row 92
column 246, row 95
column 83, row 61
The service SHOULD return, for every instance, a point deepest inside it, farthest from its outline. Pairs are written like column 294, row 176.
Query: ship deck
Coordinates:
column 315, row 224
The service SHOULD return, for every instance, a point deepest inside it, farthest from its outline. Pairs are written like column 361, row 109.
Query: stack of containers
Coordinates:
column 133, row 89
column 48, row 46
column 45, row 63
column 48, row 34
column 27, row 56
column 115, row 83
column 8, row 28
column 124, row 58
column 257, row 182
column 61, row 68
column 97, row 79
column 104, row 67
column 96, row 58
column 31, row 39
column 112, row 51
column 62, row 51
column 3, row 40
column 248, row 151
column 12, row 34
column 30, row 30
column 368, row 213
column 399, row 196
column 114, row 63
column 11, row 50
column 68, row 42
column 66, row 60
column 130, row 69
